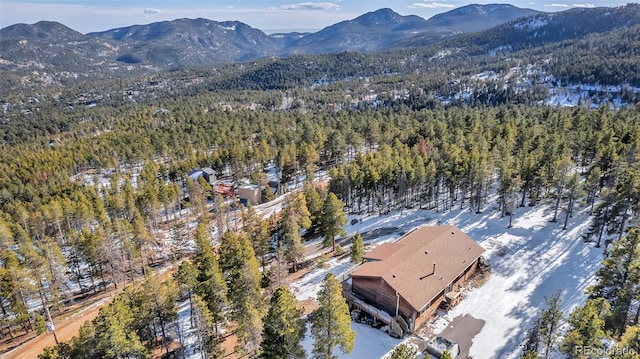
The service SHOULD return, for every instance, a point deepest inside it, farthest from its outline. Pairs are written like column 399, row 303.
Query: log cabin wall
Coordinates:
column 378, row 293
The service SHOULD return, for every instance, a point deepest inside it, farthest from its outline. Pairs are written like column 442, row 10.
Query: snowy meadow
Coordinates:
column 529, row 262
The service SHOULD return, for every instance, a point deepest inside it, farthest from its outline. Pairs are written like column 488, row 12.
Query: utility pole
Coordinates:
column 50, row 326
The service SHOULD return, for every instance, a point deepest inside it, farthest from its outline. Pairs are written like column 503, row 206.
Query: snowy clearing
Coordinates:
column 529, row 262
column 370, row 343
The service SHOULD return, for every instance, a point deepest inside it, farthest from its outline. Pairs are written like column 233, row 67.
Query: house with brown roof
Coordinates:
column 408, row 279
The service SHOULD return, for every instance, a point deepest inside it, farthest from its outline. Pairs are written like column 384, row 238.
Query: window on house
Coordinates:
column 424, row 309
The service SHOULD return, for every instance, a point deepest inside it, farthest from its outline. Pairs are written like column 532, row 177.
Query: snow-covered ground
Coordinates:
column 370, row 343
column 529, row 262
column 539, row 258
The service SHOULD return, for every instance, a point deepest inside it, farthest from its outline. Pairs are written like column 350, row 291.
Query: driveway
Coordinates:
column 461, row 330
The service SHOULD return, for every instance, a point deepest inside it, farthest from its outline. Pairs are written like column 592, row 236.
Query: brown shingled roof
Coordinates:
column 382, row 251
column 407, row 264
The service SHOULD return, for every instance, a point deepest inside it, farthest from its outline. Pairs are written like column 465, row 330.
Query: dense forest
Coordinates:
column 61, row 237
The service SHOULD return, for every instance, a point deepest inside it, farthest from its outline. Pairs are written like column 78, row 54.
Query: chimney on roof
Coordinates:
column 430, row 274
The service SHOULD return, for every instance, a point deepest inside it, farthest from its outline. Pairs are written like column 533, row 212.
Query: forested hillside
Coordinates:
column 65, row 237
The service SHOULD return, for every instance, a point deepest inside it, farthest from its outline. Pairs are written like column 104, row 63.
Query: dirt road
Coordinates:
column 66, row 329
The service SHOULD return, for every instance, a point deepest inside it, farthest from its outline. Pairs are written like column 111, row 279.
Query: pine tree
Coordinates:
column 592, row 185
column 357, row 248
column 314, row 202
column 283, row 328
column 114, row 334
column 258, row 232
column 242, row 275
column 205, row 330
column 14, row 289
column 187, row 278
column 628, row 201
column 586, row 327
column 631, row 342
column 266, row 195
column 574, row 190
column 211, row 284
column 404, row 351
column 295, row 216
column 619, row 278
column 533, row 337
column 294, row 249
column 161, row 300
column 550, row 321
column 278, row 270
column 141, row 239
column 332, row 221
column 332, row 325
column 560, row 176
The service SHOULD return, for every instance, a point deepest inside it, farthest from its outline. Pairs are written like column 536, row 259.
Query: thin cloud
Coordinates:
column 531, row 3
column 584, row 5
column 311, row 6
column 557, row 5
column 150, row 10
column 431, row 5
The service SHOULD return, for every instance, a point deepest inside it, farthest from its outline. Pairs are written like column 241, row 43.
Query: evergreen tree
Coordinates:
column 293, row 249
column 592, row 185
column 14, row 289
column 187, row 278
column 314, row 202
column 258, row 232
column 404, row 351
column 550, row 320
column 205, row 330
column 574, row 190
column 211, row 285
column 278, row 270
column 586, row 328
column 114, row 334
column 533, row 337
column 266, row 195
column 160, row 299
column 629, row 343
column 283, row 328
column 628, row 201
column 242, row 275
column 332, row 221
column 295, row 216
column 332, row 325
column 141, row 239
column 357, row 248
column 619, row 278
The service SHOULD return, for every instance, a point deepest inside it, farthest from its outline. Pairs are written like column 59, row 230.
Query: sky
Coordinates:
column 267, row 15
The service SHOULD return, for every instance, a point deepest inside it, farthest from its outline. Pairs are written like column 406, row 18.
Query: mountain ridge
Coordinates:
column 199, row 41
column 55, row 48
